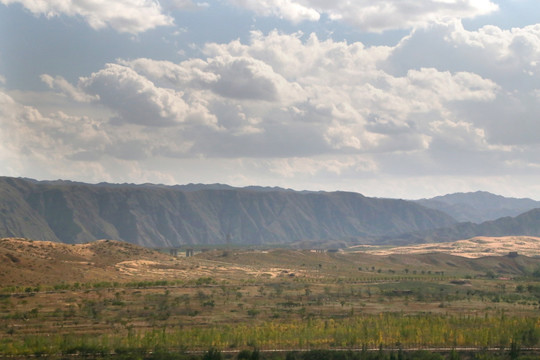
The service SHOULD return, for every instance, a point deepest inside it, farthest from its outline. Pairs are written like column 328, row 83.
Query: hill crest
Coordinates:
column 26, row 261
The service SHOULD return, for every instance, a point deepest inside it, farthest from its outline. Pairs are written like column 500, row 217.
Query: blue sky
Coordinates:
column 394, row 98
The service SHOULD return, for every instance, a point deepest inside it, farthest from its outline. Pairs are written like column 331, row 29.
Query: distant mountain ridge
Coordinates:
column 155, row 215
column 186, row 187
column 479, row 206
column 163, row 216
column 526, row 224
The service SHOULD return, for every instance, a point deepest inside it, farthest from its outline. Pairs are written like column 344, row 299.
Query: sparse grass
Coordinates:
column 277, row 299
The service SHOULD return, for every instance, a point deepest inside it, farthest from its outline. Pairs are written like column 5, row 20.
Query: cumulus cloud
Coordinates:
column 463, row 136
column 236, row 77
column 446, row 99
column 137, row 100
column 37, row 143
column 504, row 58
column 246, row 78
column 280, row 96
column 399, row 14
column 369, row 15
column 127, row 16
column 509, row 57
column 60, row 145
column 167, row 73
column 296, row 106
column 277, row 96
column 293, row 57
column 64, row 87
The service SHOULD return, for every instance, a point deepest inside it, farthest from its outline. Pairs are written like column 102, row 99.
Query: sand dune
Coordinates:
column 472, row 248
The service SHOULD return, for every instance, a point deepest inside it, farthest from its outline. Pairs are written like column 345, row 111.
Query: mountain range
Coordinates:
column 197, row 214
column 162, row 216
column 479, row 206
column 526, row 224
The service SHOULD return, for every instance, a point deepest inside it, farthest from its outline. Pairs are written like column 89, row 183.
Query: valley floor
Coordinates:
column 233, row 300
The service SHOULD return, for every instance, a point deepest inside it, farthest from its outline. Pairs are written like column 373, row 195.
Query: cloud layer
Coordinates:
column 372, row 16
column 290, row 109
column 127, row 16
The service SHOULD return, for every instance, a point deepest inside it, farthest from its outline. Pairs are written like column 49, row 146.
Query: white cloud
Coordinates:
column 463, row 136
column 508, row 57
column 127, row 16
column 9, row 153
column 278, row 96
column 372, row 16
column 167, row 73
column 317, row 166
column 293, row 11
column 246, row 78
column 504, row 58
column 523, row 42
column 281, row 105
column 35, row 143
column 404, row 14
column 64, row 87
column 293, row 58
column 341, row 136
column 443, row 86
column 58, row 145
column 235, row 77
column 137, row 100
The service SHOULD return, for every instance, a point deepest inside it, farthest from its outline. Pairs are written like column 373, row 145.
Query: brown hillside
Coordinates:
column 25, row 261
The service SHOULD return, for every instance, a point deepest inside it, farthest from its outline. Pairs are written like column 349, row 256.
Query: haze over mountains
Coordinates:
column 526, row 224
column 167, row 216
column 479, row 206
column 171, row 216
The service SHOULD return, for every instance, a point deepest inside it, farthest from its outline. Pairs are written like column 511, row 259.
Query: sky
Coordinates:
column 389, row 98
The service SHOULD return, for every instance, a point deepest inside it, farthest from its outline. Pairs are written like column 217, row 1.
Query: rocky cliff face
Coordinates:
column 161, row 216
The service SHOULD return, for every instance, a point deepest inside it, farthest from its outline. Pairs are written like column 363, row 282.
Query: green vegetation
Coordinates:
column 313, row 306
column 293, row 314
column 388, row 329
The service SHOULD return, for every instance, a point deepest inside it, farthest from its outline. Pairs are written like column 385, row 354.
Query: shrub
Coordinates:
column 213, row 354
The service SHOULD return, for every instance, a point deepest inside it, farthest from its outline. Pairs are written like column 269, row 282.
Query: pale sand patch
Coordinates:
column 476, row 247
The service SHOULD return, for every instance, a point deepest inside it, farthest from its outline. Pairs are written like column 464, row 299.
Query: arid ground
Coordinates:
column 108, row 295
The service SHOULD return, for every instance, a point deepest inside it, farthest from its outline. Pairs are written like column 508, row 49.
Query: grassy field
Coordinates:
column 234, row 300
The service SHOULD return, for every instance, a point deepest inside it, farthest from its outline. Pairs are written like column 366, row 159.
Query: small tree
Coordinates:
column 213, row 354
column 514, row 350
